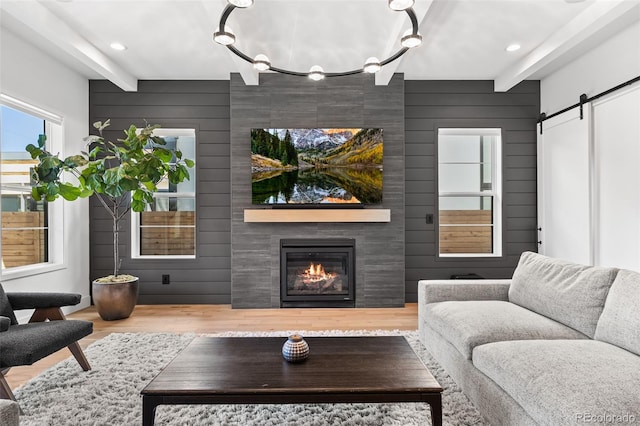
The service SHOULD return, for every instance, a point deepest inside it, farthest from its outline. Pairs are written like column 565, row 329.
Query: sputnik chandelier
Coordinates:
column 411, row 38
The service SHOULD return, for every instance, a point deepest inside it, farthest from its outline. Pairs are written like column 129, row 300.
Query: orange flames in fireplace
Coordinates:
column 316, row 273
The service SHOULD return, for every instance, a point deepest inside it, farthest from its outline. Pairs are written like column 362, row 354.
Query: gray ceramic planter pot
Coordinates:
column 115, row 301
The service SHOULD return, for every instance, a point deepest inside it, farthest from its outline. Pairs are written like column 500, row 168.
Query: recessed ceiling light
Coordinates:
column 513, row 47
column 118, row 46
column 573, row 1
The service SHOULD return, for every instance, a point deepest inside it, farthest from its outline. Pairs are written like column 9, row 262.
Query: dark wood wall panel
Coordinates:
column 283, row 101
column 204, row 106
column 222, row 111
column 433, row 104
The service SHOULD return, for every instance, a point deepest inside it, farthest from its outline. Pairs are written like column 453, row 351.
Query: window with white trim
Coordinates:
column 32, row 235
column 167, row 227
column 469, row 192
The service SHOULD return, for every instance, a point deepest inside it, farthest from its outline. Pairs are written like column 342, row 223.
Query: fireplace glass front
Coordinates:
column 317, row 273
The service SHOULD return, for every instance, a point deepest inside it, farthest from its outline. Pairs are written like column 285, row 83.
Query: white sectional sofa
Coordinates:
column 557, row 344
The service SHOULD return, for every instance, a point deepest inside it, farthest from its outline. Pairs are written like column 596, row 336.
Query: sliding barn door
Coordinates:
column 616, row 135
column 564, row 201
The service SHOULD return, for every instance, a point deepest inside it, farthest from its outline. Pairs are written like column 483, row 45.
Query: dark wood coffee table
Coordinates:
column 251, row 370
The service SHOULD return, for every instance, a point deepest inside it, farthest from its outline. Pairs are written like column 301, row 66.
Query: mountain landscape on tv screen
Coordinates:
column 316, row 166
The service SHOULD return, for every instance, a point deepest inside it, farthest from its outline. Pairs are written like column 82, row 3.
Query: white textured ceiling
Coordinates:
column 463, row 39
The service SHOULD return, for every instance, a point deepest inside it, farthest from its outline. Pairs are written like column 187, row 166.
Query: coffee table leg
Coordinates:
column 435, row 402
column 149, row 405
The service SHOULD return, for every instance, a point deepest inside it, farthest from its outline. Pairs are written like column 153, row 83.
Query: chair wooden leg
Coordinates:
column 77, row 352
column 5, row 390
column 55, row 314
column 43, row 314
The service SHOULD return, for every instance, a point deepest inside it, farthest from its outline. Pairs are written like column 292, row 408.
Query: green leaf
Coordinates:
column 128, row 184
column 68, row 192
column 131, row 133
column 189, row 163
column 75, row 161
column 86, row 192
column 179, row 174
column 138, row 205
column 42, row 140
column 33, row 150
column 138, row 194
column 51, row 190
column 94, row 152
column 163, row 154
column 112, row 176
column 101, row 126
column 148, row 197
column 114, row 191
column 48, row 170
column 157, row 140
column 150, row 186
column 93, row 182
column 35, row 194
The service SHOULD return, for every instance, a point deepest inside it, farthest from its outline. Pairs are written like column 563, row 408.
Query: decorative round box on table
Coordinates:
column 295, row 349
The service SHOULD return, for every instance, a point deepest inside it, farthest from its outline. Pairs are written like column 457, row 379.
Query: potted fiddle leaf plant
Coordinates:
column 123, row 176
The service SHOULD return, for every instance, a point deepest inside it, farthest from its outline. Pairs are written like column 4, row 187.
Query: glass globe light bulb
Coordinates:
column 241, row 3
column 224, row 37
column 399, row 5
column 372, row 65
column 411, row 40
column 261, row 62
column 316, row 73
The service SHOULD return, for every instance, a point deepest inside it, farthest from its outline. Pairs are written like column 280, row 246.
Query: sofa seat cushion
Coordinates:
column 619, row 323
column 567, row 292
column 467, row 324
column 565, row 382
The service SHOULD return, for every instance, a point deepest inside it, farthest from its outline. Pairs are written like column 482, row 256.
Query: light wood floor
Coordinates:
column 202, row 319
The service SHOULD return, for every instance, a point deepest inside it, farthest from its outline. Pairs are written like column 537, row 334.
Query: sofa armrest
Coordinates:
column 433, row 291
column 42, row 300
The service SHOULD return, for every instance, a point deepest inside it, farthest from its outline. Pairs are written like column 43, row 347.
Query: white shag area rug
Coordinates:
column 123, row 363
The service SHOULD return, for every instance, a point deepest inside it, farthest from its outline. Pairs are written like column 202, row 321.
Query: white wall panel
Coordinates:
column 32, row 76
column 611, row 63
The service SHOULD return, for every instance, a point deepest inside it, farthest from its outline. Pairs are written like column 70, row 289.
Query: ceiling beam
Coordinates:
column 595, row 18
column 384, row 76
column 38, row 18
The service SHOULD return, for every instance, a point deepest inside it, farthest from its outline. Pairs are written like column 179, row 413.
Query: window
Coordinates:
column 469, row 192
column 31, row 230
column 167, row 229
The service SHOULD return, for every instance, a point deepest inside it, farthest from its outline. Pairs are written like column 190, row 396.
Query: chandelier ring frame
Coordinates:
column 230, row 8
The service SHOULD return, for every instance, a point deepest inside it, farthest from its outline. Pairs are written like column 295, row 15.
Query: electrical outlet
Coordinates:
column 166, row 279
column 429, row 219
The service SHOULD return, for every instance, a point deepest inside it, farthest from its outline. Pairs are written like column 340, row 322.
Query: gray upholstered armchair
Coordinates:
column 24, row 344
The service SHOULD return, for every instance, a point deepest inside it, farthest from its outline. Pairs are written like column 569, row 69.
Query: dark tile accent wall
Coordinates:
column 283, row 101
column 433, row 104
column 204, row 106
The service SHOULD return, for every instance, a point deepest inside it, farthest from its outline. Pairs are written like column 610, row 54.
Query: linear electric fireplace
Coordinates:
column 317, row 273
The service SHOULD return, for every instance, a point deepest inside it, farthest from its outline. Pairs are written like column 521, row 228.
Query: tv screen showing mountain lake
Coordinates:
column 316, row 166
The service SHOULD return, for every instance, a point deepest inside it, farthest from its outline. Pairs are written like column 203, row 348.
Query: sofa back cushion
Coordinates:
column 619, row 323
column 567, row 292
column 5, row 307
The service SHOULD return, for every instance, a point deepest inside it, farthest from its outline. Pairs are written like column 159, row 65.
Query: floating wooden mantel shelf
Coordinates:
column 317, row 215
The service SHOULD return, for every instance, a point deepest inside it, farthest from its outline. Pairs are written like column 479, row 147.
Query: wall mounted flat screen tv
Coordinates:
column 299, row 167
